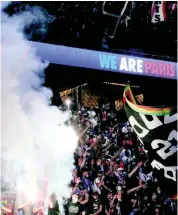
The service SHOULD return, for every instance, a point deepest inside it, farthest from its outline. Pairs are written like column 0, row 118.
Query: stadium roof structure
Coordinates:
column 92, row 24
column 119, row 63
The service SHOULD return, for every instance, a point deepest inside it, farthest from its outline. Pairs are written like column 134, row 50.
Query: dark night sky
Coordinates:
column 83, row 24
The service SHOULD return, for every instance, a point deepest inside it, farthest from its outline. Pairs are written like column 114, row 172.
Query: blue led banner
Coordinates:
column 69, row 56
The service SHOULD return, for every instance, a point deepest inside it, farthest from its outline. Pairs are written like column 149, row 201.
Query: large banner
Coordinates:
column 124, row 64
column 156, row 128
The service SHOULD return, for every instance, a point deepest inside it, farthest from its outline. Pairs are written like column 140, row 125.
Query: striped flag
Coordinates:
column 156, row 111
column 158, row 11
column 156, row 128
column 175, row 197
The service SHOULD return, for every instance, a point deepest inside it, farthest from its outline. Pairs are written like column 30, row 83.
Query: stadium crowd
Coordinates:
column 111, row 175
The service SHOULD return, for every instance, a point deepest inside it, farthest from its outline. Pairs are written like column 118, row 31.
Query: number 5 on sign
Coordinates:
column 168, row 150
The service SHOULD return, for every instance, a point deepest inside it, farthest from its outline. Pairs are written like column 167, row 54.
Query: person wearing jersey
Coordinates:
column 53, row 206
column 96, row 206
column 108, row 209
column 5, row 210
column 118, row 203
column 74, row 207
column 7, row 202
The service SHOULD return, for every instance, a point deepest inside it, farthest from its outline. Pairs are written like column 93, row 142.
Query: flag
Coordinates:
column 172, row 7
column 158, row 11
column 175, row 197
column 156, row 128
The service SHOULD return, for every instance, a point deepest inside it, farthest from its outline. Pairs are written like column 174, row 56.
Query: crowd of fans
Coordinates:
column 111, row 174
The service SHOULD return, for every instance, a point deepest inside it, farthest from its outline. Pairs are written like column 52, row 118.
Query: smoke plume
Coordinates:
column 34, row 147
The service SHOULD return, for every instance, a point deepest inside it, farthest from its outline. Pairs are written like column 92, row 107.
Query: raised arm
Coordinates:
column 135, row 169
column 83, row 132
column 22, row 206
column 117, row 154
column 7, row 210
column 134, row 189
column 36, row 210
column 85, row 200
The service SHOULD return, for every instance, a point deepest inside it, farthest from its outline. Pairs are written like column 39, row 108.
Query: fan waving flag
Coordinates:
column 156, row 128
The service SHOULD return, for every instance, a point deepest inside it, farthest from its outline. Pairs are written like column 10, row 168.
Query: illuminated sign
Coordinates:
column 69, row 56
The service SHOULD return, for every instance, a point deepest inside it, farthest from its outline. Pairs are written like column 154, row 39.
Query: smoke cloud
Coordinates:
column 34, row 147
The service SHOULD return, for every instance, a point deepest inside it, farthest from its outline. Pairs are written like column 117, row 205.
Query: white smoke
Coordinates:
column 34, row 146
column 4, row 4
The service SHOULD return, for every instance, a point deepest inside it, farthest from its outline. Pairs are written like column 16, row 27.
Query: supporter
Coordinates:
column 73, row 207
column 87, row 183
column 53, row 208
column 96, row 205
column 112, row 174
column 83, row 196
column 4, row 209
column 119, row 202
column 109, row 210
column 22, row 205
